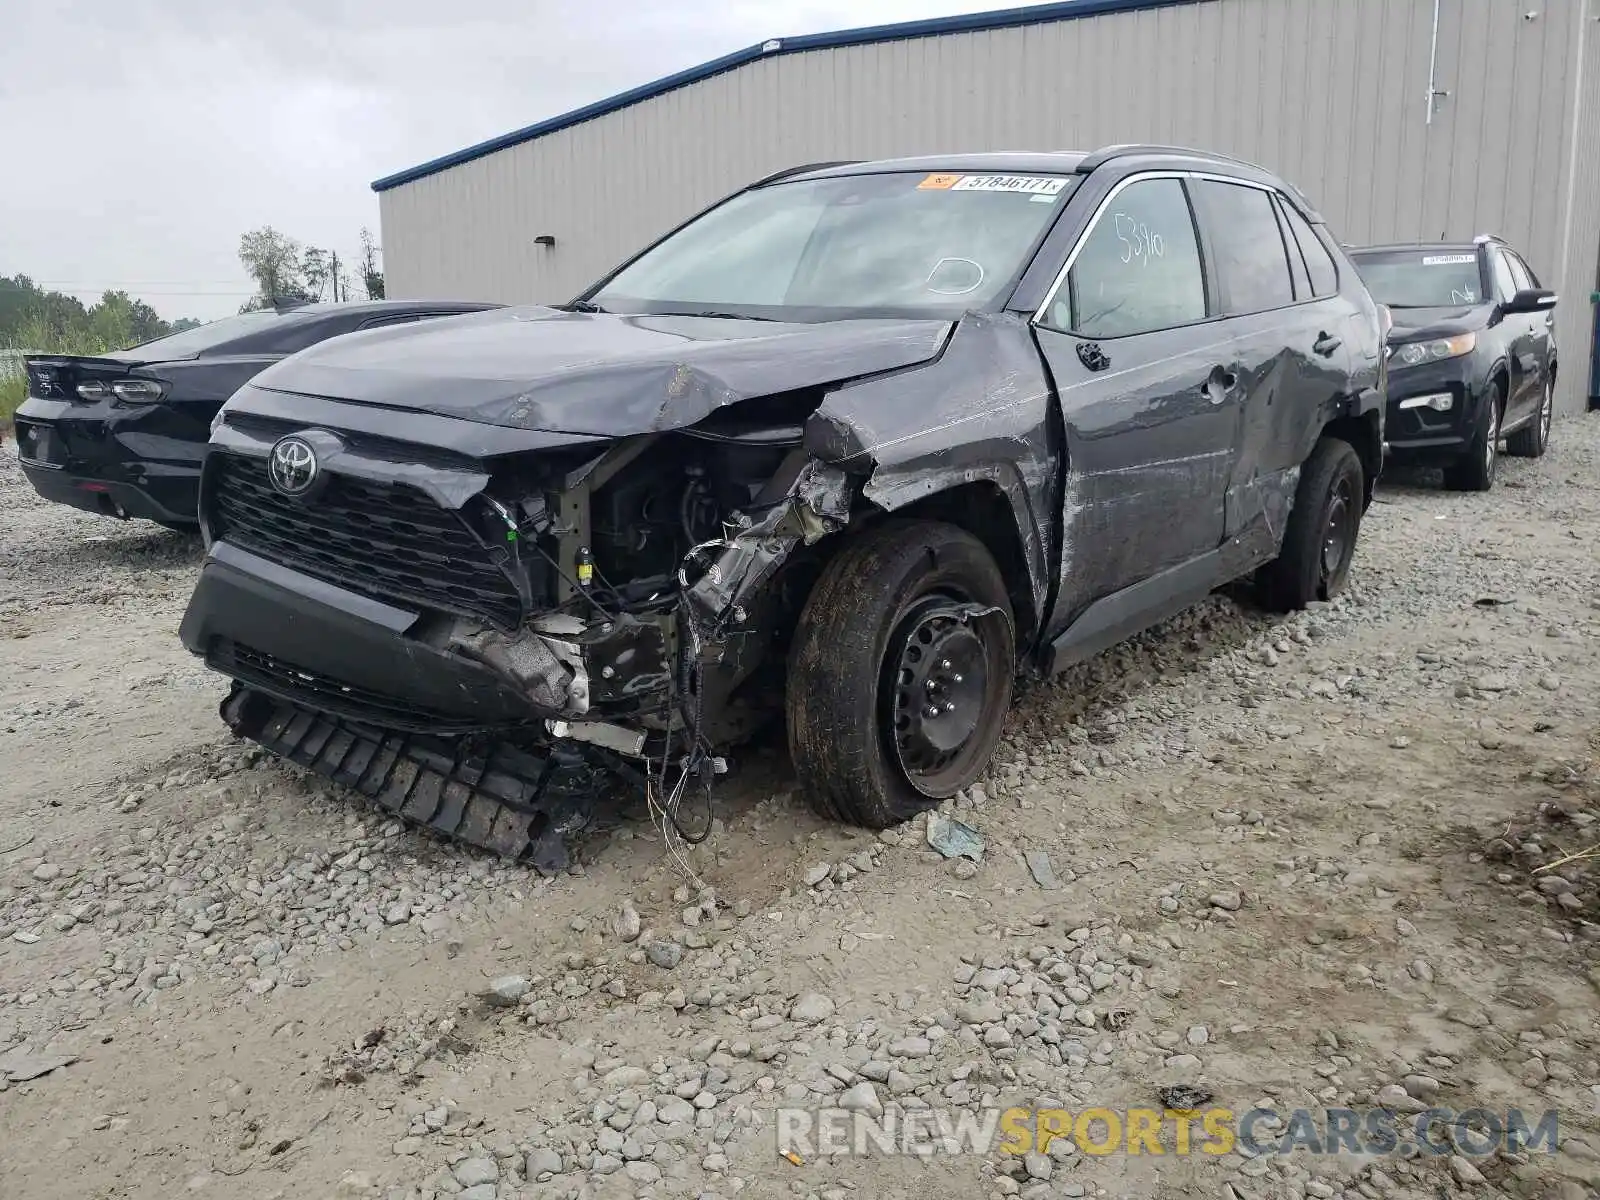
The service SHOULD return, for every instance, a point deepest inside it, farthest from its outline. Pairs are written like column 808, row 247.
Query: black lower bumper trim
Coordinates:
column 170, row 503
column 487, row 793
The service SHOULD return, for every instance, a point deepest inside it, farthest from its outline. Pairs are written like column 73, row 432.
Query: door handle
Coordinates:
column 1326, row 344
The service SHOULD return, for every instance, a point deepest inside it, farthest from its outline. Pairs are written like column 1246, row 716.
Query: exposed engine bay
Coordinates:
column 656, row 564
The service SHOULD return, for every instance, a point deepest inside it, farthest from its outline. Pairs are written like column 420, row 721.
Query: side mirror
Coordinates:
column 1530, row 300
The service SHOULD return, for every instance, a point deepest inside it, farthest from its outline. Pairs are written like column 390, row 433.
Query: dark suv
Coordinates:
column 124, row 433
column 1472, row 354
column 856, row 445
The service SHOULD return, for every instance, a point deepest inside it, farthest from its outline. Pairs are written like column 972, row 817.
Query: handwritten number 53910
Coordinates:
column 1138, row 243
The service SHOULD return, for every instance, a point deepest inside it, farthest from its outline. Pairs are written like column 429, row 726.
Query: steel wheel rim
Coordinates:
column 938, row 676
column 1337, row 530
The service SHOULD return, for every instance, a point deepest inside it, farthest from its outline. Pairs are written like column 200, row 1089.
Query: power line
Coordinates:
column 140, row 282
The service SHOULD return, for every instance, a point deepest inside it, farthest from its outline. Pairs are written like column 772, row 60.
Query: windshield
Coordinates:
column 893, row 244
column 192, row 342
column 1422, row 278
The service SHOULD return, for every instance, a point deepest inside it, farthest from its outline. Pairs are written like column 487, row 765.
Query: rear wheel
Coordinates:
column 1320, row 540
column 1476, row 469
column 901, row 672
column 1533, row 439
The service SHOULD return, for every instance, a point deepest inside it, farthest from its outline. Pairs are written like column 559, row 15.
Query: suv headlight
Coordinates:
column 1412, row 353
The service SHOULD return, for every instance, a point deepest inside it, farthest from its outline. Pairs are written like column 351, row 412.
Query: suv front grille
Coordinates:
column 389, row 542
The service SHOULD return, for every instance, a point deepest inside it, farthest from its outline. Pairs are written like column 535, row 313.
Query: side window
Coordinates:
column 1297, row 260
column 1251, row 259
column 1533, row 280
column 1324, row 274
column 1505, row 286
column 1138, row 269
column 1519, row 272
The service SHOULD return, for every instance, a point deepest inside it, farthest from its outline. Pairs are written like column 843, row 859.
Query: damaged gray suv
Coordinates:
column 855, row 446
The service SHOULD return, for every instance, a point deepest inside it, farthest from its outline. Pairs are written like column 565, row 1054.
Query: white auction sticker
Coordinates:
column 1445, row 260
column 1027, row 185
column 1023, row 185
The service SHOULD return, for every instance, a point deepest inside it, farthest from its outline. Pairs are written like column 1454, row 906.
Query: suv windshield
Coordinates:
column 1422, row 278
column 892, row 244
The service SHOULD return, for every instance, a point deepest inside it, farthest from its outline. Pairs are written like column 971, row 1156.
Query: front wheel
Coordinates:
column 901, row 671
column 1320, row 539
column 1475, row 471
column 1533, row 439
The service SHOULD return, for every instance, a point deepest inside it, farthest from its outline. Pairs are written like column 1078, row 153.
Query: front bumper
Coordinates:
column 1425, row 432
column 367, row 695
column 315, row 644
column 119, row 461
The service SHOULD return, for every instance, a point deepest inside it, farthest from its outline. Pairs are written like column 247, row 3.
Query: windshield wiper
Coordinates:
column 580, row 306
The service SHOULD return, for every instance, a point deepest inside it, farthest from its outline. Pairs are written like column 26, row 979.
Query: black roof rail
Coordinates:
column 1098, row 158
column 801, row 170
column 1105, row 154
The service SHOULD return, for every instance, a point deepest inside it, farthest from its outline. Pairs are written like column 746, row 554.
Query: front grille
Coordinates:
column 329, row 695
column 389, row 542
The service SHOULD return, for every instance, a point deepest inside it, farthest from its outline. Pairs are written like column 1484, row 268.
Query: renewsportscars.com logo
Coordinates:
column 804, row 1133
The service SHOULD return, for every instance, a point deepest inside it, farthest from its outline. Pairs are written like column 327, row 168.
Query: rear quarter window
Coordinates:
column 1319, row 263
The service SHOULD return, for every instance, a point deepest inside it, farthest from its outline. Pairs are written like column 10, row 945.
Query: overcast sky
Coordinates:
column 140, row 139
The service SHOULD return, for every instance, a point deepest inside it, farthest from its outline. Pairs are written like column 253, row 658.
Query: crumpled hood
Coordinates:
column 595, row 373
column 1424, row 324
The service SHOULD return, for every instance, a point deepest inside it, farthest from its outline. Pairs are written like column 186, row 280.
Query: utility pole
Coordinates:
column 334, row 271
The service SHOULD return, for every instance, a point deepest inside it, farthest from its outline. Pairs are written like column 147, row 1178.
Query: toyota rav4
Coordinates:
column 856, row 445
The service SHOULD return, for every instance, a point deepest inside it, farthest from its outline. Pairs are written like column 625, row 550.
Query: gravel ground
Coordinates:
column 1303, row 862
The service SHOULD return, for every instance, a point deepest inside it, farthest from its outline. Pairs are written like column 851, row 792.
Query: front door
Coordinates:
column 1522, row 345
column 1148, row 391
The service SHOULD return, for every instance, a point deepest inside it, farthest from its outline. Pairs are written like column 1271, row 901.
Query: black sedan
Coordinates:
column 1472, row 355
column 124, row 434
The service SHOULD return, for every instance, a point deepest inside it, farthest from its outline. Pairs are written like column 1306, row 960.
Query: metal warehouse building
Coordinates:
column 1401, row 119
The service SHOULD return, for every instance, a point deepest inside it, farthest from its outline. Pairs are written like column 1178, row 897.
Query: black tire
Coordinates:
column 877, row 638
column 1475, row 470
column 1324, row 524
column 1533, row 439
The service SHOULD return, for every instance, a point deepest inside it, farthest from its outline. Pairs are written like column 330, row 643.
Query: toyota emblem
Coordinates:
column 293, row 466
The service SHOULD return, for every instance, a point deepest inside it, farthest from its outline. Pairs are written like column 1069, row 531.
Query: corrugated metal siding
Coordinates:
column 1332, row 95
column 1575, row 316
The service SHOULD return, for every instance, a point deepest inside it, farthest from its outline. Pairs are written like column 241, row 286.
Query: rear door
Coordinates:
column 1146, row 392
column 1288, row 326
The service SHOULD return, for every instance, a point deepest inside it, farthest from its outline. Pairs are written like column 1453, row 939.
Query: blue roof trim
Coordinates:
column 1038, row 14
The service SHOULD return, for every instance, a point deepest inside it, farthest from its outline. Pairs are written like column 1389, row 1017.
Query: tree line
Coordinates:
column 35, row 318
column 284, row 271
column 289, row 271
